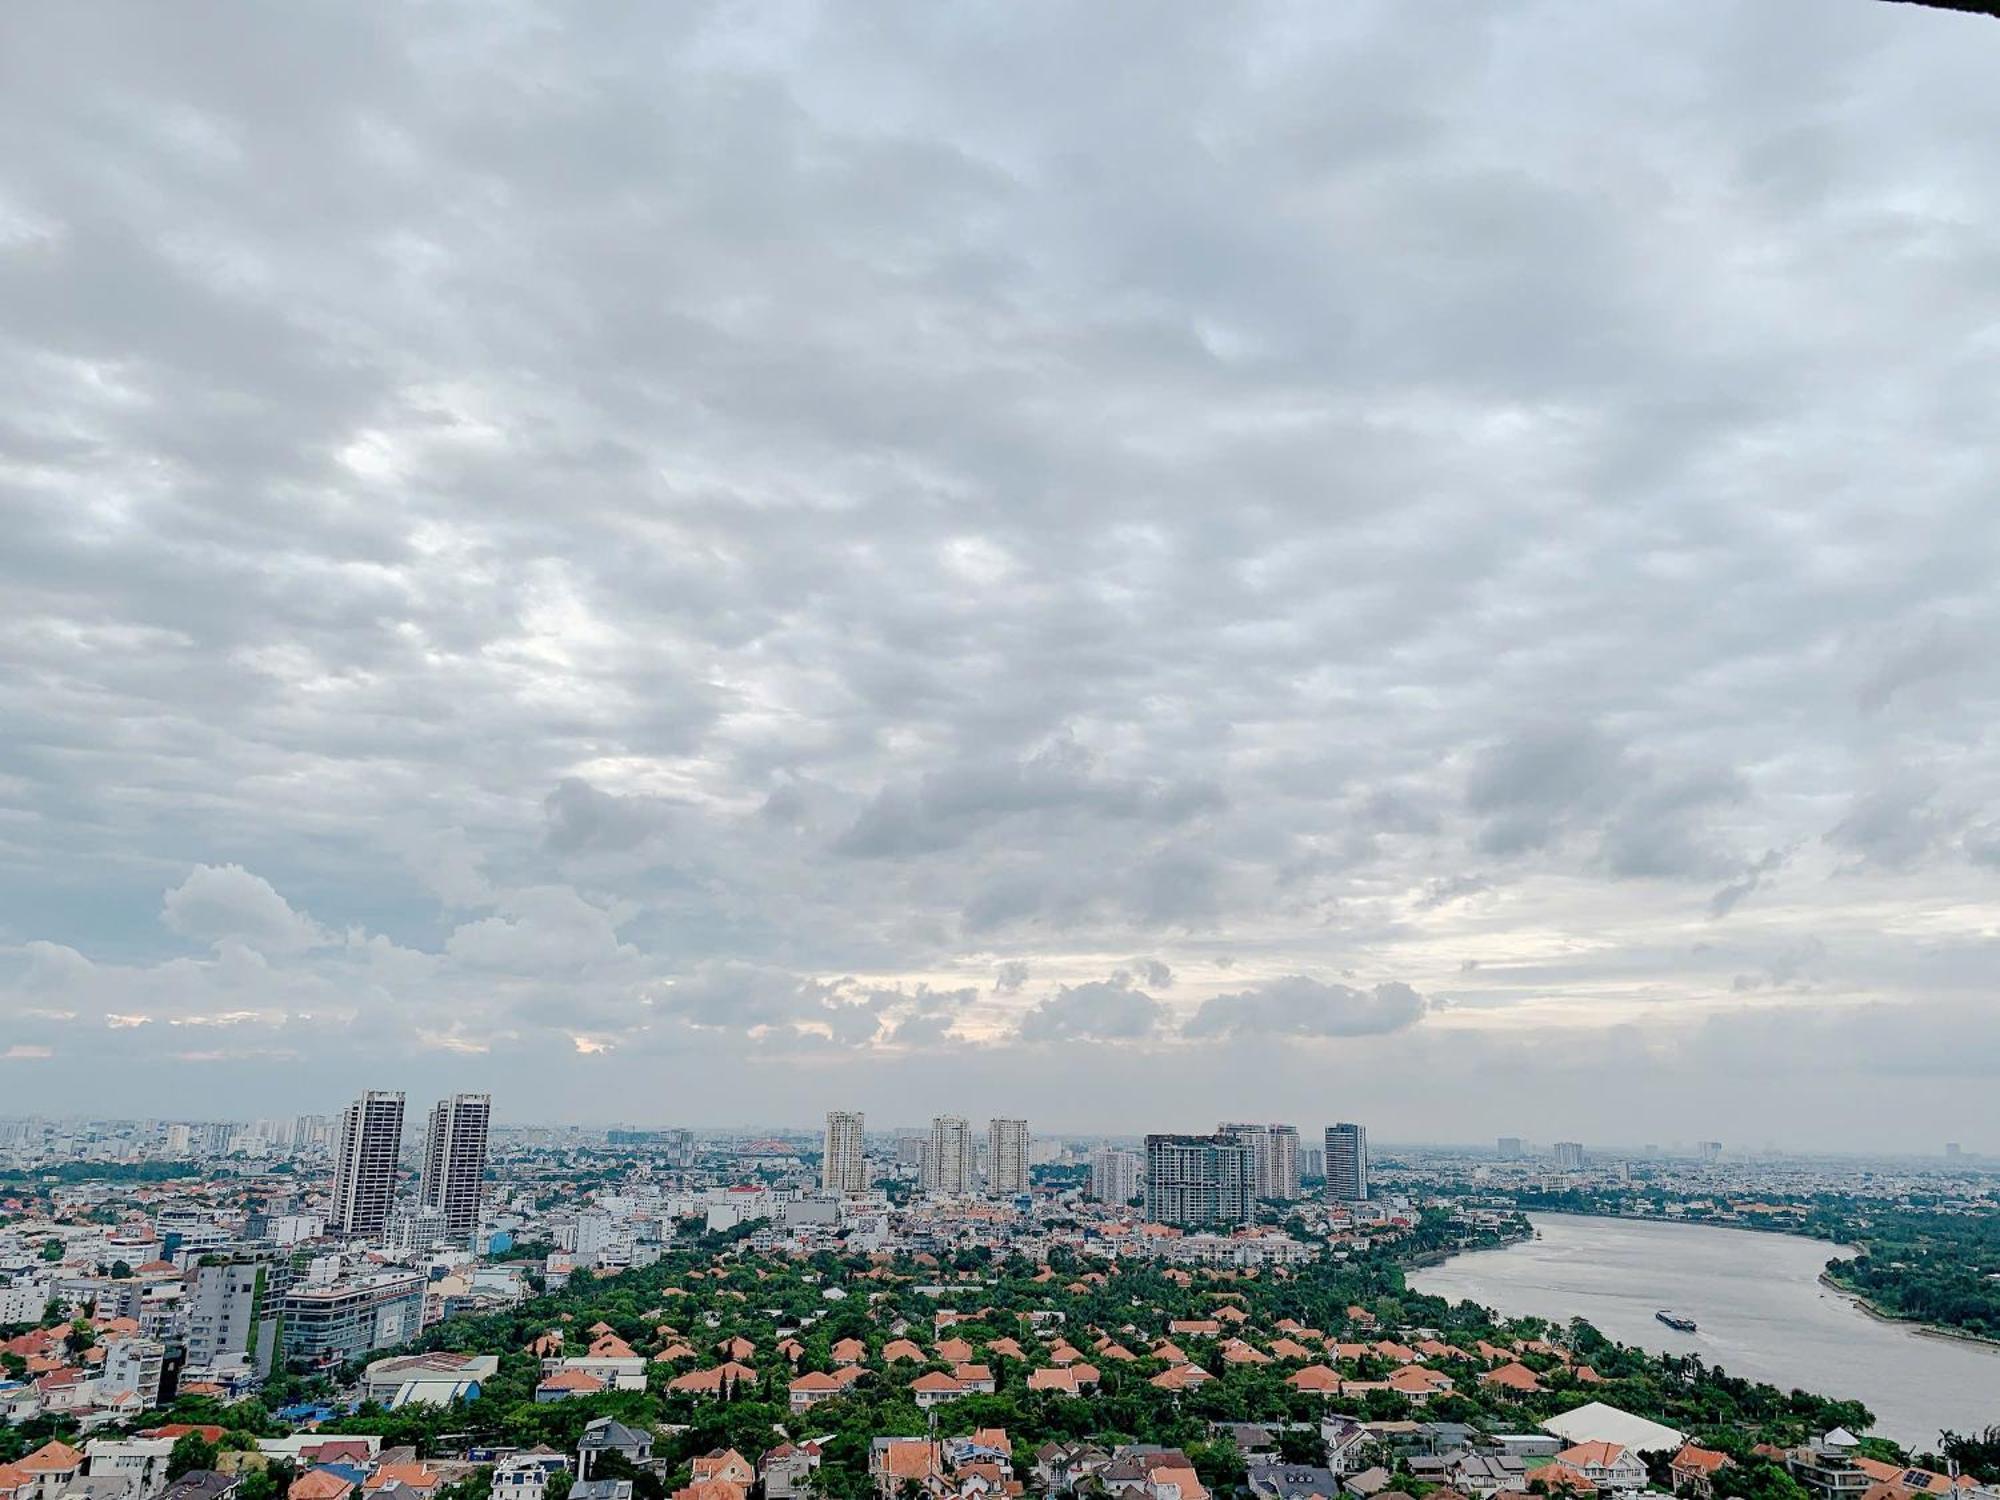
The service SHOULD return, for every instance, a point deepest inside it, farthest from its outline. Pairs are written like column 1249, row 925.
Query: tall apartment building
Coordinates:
column 1258, row 1139
column 1114, row 1176
column 228, row 1308
column 455, row 1161
column 1346, row 1163
column 947, row 1170
column 1007, row 1147
column 1285, row 1163
column 1275, row 1149
column 842, row 1167
column 1508, row 1148
column 1200, row 1179
column 1569, row 1156
column 1312, row 1161
column 364, row 1166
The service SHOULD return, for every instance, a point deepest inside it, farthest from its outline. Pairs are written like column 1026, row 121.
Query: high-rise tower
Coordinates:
column 364, row 1168
column 455, row 1160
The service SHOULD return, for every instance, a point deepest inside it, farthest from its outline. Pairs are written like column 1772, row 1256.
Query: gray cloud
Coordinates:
column 1103, row 1010
column 634, row 547
column 579, row 817
column 1297, row 1005
column 1891, row 825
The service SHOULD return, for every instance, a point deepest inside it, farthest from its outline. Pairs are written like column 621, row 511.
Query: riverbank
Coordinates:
column 1439, row 1257
column 1882, row 1315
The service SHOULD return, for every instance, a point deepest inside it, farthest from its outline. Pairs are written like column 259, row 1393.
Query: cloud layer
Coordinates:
column 674, row 568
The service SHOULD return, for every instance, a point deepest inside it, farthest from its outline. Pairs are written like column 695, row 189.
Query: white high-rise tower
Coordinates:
column 947, row 1170
column 1006, row 1157
column 842, row 1167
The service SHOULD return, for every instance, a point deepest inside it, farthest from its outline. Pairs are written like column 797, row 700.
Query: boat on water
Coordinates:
column 1675, row 1320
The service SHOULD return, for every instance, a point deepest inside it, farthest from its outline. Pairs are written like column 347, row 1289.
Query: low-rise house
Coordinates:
column 320, row 1484
column 935, row 1388
column 1292, row 1482
column 525, row 1476
column 142, row 1461
column 1484, row 1475
column 1609, row 1466
column 977, row 1380
column 203, row 1484
column 719, row 1381
column 1315, row 1380
column 1693, row 1471
column 48, row 1472
column 725, row 1464
column 787, row 1470
column 567, row 1383
column 1513, row 1377
column 406, row 1481
column 1061, row 1467
column 607, row 1435
column 894, row 1462
column 811, row 1388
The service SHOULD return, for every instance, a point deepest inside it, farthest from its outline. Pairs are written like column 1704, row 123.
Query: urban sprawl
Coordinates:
column 341, row 1308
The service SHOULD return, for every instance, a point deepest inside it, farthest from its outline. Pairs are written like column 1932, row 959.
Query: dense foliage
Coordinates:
column 718, row 1290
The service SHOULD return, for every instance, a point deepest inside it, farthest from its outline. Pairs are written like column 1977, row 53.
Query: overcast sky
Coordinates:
column 1431, row 564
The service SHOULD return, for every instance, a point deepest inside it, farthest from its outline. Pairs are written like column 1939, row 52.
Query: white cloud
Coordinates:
column 224, row 903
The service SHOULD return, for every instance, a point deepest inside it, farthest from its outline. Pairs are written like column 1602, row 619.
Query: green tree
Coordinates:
column 190, row 1451
column 52, row 1250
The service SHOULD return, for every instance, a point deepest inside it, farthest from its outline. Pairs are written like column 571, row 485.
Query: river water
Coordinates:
column 1761, row 1310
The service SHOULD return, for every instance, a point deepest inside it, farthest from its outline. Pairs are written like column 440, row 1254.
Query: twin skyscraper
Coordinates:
column 371, row 1143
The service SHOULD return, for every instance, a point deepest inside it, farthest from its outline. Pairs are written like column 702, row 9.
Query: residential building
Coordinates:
column 1284, row 1163
column 1508, row 1148
column 1346, row 1163
column 330, row 1325
column 1693, row 1471
column 455, row 1160
column 947, row 1171
column 525, row 1476
column 141, row 1462
column 364, row 1176
column 134, row 1365
column 1312, row 1161
column 1569, row 1156
column 606, row 1435
column 1258, row 1139
column 1195, row 1180
column 1609, row 1466
column 842, row 1167
column 1006, row 1157
column 226, row 1308
column 1114, row 1175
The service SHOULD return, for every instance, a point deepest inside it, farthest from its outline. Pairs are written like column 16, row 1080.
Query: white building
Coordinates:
column 843, row 1168
column 1114, row 1176
column 947, row 1169
column 1007, row 1144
